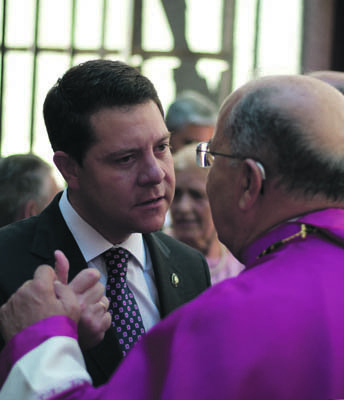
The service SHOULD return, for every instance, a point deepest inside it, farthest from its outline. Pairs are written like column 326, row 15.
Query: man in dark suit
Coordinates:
column 106, row 127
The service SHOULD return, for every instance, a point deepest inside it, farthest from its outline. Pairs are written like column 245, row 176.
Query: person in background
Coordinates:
column 190, row 119
column 106, row 126
column 275, row 331
column 191, row 218
column 27, row 186
column 333, row 78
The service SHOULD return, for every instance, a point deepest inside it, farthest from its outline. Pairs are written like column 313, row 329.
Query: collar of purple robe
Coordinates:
column 328, row 221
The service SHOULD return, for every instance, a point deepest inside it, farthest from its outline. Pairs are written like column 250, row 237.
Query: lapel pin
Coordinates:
column 174, row 280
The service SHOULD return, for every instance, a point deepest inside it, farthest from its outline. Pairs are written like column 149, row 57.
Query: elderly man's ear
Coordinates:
column 252, row 184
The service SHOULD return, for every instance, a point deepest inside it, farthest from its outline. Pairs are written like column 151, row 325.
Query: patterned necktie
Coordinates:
column 126, row 317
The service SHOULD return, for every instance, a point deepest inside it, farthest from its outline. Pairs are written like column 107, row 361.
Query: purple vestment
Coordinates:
column 275, row 332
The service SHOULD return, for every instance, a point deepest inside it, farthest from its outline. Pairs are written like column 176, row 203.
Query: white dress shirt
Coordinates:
column 140, row 275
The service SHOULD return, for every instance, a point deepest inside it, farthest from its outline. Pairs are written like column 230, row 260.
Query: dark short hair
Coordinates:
column 258, row 128
column 82, row 91
column 22, row 178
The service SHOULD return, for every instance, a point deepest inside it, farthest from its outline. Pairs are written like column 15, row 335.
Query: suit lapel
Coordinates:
column 51, row 234
column 166, row 268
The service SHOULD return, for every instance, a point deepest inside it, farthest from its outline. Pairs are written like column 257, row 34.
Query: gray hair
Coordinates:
column 259, row 129
column 22, row 178
column 190, row 107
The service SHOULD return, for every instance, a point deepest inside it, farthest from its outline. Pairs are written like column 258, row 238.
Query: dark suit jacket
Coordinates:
column 29, row 243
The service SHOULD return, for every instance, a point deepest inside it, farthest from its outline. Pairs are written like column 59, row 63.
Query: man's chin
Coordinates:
column 152, row 226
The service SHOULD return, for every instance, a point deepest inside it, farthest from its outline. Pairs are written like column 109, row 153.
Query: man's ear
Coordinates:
column 30, row 208
column 252, row 184
column 68, row 167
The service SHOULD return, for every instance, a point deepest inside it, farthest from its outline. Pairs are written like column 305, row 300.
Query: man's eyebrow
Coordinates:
column 166, row 136
column 123, row 151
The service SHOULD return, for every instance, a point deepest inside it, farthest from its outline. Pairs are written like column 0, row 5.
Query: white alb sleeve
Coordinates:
column 51, row 368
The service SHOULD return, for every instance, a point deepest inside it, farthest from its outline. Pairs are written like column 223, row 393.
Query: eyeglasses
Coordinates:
column 205, row 157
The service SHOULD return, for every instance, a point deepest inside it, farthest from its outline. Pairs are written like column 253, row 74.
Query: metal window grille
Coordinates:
column 23, row 85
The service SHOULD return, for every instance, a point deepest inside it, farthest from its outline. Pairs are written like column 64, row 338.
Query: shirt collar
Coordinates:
column 92, row 243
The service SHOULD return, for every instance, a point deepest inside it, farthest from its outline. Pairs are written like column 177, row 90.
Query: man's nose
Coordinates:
column 152, row 171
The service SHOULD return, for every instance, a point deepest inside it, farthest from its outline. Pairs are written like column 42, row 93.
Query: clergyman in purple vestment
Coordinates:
column 276, row 331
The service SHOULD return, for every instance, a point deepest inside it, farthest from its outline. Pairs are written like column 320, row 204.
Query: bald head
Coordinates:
column 292, row 124
column 333, row 78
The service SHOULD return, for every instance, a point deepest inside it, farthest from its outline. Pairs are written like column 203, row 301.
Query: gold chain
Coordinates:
column 305, row 229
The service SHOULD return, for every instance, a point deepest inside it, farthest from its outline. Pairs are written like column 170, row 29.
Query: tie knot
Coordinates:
column 117, row 261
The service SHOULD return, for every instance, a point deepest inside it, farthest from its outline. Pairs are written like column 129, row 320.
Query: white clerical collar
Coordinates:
column 91, row 242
